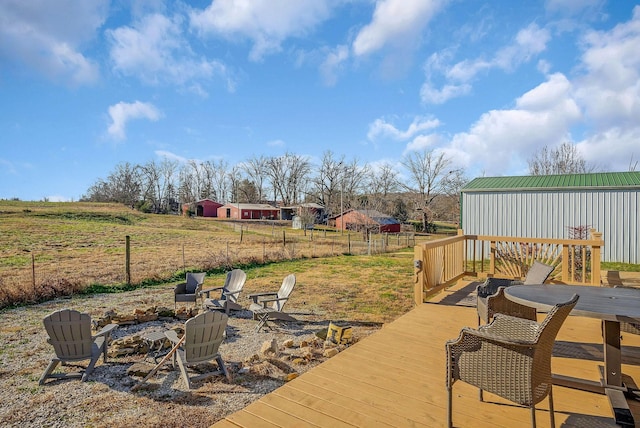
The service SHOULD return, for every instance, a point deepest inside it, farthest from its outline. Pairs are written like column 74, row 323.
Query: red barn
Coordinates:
column 367, row 220
column 203, row 208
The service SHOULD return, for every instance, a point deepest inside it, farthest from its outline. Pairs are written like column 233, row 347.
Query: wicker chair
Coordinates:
column 511, row 357
column 189, row 291
column 491, row 299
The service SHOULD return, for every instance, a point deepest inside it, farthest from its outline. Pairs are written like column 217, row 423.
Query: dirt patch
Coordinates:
column 107, row 400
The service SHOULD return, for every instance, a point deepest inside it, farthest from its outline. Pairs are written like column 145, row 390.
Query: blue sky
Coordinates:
column 85, row 85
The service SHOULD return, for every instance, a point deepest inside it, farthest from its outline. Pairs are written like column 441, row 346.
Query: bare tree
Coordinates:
column 158, row 184
column 382, row 181
column 427, row 172
column 288, row 174
column 222, row 188
column 565, row 159
column 123, row 185
column 256, row 168
column 354, row 181
column 327, row 184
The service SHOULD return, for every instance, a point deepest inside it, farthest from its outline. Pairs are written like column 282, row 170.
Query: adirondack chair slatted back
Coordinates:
column 204, row 334
column 285, row 291
column 538, row 273
column 234, row 282
column 70, row 334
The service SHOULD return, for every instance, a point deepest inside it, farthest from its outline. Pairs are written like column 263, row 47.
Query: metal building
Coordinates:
column 548, row 206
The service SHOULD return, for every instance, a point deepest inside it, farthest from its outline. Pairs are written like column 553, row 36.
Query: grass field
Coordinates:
column 50, row 249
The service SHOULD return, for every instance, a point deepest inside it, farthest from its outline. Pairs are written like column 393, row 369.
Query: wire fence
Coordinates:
column 45, row 273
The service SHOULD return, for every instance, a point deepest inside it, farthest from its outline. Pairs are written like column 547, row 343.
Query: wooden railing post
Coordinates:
column 596, row 257
column 419, row 265
column 492, row 258
column 565, row 263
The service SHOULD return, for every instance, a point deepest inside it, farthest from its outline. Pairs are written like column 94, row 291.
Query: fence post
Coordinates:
column 33, row 271
column 127, row 259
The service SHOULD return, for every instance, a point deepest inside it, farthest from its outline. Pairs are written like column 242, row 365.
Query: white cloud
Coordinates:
column 276, row 143
column 122, row 113
column 48, row 36
column 380, row 128
column 155, row 51
column 333, row 63
column 529, row 42
column 613, row 150
column 432, row 95
column 171, row 156
column 609, row 89
column 502, row 140
column 396, row 23
column 267, row 23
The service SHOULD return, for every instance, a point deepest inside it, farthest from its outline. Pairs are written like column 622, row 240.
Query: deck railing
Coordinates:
column 440, row 263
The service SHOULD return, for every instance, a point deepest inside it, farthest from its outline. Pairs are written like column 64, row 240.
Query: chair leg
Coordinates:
column 92, row 363
column 183, row 370
column 223, row 367
column 551, row 410
column 50, row 368
column 449, row 407
column 480, row 396
column 533, row 416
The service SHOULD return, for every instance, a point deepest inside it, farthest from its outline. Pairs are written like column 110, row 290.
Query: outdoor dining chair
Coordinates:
column 491, row 299
column 511, row 357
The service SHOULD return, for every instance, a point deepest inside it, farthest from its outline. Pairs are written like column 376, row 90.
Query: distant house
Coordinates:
column 549, row 206
column 288, row 213
column 248, row 211
column 202, row 208
column 372, row 220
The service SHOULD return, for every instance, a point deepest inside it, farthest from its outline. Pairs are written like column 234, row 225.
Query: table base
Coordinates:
column 615, row 394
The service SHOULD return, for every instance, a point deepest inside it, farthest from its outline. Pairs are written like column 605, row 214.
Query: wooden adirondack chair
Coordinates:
column 70, row 335
column 231, row 289
column 203, row 335
column 269, row 305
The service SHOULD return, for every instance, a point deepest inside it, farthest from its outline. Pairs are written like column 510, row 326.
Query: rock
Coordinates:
column 165, row 312
column 300, row 361
column 290, row 376
column 331, row 352
column 269, row 347
column 139, row 369
column 304, row 343
column 288, row 343
column 146, row 317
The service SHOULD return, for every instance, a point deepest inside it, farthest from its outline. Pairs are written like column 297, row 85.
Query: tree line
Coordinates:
column 427, row 190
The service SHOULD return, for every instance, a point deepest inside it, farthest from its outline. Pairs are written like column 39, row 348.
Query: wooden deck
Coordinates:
column 396, row 378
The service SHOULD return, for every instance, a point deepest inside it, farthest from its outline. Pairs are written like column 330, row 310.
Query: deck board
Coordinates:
column 396, row 378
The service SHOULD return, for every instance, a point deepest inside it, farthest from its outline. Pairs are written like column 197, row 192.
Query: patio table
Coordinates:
column 612, row 306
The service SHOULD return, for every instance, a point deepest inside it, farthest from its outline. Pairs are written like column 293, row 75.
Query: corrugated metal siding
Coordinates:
column 549, row 214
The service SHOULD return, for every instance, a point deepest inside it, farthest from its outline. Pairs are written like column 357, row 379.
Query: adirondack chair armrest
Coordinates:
column 105, row 331
column 277, row 299
column 255, row 296
column 172, row 336
column 209, row 290
column 231, row 293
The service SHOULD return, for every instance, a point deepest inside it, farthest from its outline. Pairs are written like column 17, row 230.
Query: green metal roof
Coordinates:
column 609, row 180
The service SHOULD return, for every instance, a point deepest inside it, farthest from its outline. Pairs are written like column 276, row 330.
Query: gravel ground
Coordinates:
column 106, row 399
